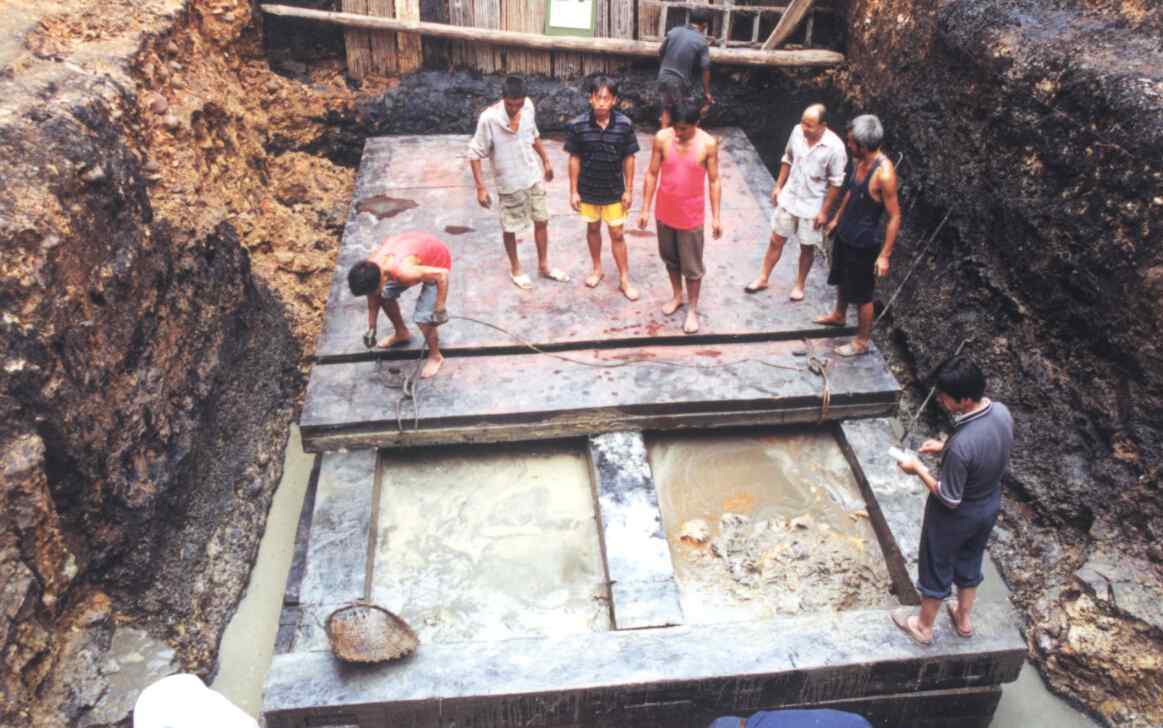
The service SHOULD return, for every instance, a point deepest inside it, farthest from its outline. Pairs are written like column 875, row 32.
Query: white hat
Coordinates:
column 183, row 701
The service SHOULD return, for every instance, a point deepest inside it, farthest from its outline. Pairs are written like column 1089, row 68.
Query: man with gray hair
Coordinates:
column 858, row 256
column 810, row 175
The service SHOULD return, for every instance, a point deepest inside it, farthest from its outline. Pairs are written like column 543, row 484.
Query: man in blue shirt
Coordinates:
column 684, row 54
column 795, row 719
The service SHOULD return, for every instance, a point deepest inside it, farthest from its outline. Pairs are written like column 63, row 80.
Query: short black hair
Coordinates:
column 363, row 278
column 961, row 378
column 513, row 88
column 699, row 16
column 684, row 111
column 597, row 83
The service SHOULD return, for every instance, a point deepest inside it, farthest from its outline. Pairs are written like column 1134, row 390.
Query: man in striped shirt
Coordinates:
column 601, row 146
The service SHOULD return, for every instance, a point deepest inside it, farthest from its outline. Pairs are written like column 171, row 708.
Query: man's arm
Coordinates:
column 410, row 274
column 483, row 198
column 480, row 147
column 373, row 310
column 831, row 228
column 716, row 186
column 628, row 181
column 546, row 165
column 829, row 200
column 888, row 192
column 650, row 181
column 574, row 172
column 780, row 181
column 707, row 86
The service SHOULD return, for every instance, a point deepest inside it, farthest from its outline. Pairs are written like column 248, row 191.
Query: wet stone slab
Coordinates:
column 423, row 183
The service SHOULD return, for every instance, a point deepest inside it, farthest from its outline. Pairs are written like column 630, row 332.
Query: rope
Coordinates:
column 925, row 403
column 912, row 268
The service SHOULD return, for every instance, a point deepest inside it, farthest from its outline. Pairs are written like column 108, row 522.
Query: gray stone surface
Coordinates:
column 431, row 175
column 899, row 497
column 642, row 586
column 522, row 397
column 587, row 678
column 1128, row 584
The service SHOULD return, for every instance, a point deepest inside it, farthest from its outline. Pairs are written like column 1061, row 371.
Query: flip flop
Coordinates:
column 900, row 617
column 556, row 275
column 522, row 281
column 753, row 289
column 850, row 350
column 951, row 607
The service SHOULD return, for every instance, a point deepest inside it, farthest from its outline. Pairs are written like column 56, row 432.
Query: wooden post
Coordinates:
column 357, row 42
column 411, row 49
column 592, row 62
column 487, row 14
column 384, row 60
column 787, row 23
column 460, row 13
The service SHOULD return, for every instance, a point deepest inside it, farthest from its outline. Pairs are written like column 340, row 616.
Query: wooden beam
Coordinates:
column 787, row 23
column 614, row 46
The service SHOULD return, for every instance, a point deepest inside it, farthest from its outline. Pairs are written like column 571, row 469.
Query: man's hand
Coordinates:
column 830, row 228
column 912, row 466
column 775, row 194
column 821, row 220
column 643, row 221
column 716, row 229
column 708, row 99
column 483, row 198
column 575, row 201
column 548, row 170
column 881, row 267
column 931, row 447
column 369, row 338
column 439, row 317
column 626, row 197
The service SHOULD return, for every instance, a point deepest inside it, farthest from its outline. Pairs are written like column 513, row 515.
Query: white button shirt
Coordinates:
column 515, row 164
column 813, row 170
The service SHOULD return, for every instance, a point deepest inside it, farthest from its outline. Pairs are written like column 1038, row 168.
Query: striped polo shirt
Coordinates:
column 601, row 151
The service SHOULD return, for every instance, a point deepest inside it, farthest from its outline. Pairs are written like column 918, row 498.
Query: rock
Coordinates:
column 157, row 103
column 695, row 531
column 93, row 174
column 171, row 122
column 802, row 521
column 172, row 48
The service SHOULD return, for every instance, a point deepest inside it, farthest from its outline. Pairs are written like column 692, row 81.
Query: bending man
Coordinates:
column 683, row 156
column 401, row 262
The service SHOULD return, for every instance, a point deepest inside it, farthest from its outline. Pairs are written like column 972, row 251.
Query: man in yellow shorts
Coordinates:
column 601, row 146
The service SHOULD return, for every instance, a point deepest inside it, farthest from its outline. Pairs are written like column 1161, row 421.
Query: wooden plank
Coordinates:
column 459, row 14
column 614, row 46
column 788, row 22
column 411, row 50
column 490, row 398
column 487, row 15
column 643, row 590
column 649, row 19
column 357, row 42
column 383, row 44
column 594, row 63
column 622, row 18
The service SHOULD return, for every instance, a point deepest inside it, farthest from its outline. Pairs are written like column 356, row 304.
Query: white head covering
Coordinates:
column 183, row 701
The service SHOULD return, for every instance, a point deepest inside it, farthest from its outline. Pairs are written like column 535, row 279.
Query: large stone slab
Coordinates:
column 528, row 397
column 643, row 591
column 632, row 677
column 430, row 176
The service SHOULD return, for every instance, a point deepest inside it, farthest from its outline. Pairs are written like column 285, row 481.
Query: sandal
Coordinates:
column 852, row 350
column 900, row 617
column 951, row 607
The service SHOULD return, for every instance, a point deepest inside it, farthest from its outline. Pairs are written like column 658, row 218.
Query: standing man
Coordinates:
column 859, row 257
column 684, row 155
column 684, row 55
column 399, row 263
column 963, row 501
column 810, row 175
column 507, row 134
column 601, row 146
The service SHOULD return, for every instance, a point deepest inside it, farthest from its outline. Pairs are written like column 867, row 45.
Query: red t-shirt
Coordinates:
column 428, row 249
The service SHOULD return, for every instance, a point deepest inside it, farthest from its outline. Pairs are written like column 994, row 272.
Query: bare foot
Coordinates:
column 593, row 279
column 394, row 340
column 672, row 306
column 831, row 319
column 628, row 290
column 755, row 286
column 432, row 365
column 797, row 293
column 692, row 322
column 855, row 348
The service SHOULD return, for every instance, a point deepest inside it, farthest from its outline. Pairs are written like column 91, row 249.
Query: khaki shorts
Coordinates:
column 681, row 250
column 522, row 208
column 786, row 225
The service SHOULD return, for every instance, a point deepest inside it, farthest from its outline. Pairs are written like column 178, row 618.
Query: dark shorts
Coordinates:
column 854, row 272
column 681, row 250
column 953, row 545
column 671, row 90
column 425, row 302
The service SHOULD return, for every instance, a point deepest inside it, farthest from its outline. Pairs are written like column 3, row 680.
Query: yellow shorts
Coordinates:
column 611, row 214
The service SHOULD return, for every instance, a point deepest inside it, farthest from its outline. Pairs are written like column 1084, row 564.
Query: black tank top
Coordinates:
column 860, row 225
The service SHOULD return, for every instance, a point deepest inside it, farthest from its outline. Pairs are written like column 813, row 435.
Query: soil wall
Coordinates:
column 1037, row 126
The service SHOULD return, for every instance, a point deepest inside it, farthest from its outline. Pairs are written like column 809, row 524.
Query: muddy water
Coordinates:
column 490, row 543
column 384, row 206
column 786, row 530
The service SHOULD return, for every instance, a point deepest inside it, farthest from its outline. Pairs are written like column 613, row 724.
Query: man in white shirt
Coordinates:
column 811, row 174
column 507, row 134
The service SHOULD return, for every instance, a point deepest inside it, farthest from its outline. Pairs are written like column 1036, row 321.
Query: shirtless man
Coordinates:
column 399, row 263
column 683, row 156
column 859, row 257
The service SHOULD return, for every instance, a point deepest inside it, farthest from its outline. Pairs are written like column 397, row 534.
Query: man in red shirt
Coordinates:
column 399, row 263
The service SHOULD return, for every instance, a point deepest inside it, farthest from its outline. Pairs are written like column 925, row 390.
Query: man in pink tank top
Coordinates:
column 399, row 263
column 684, row 159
